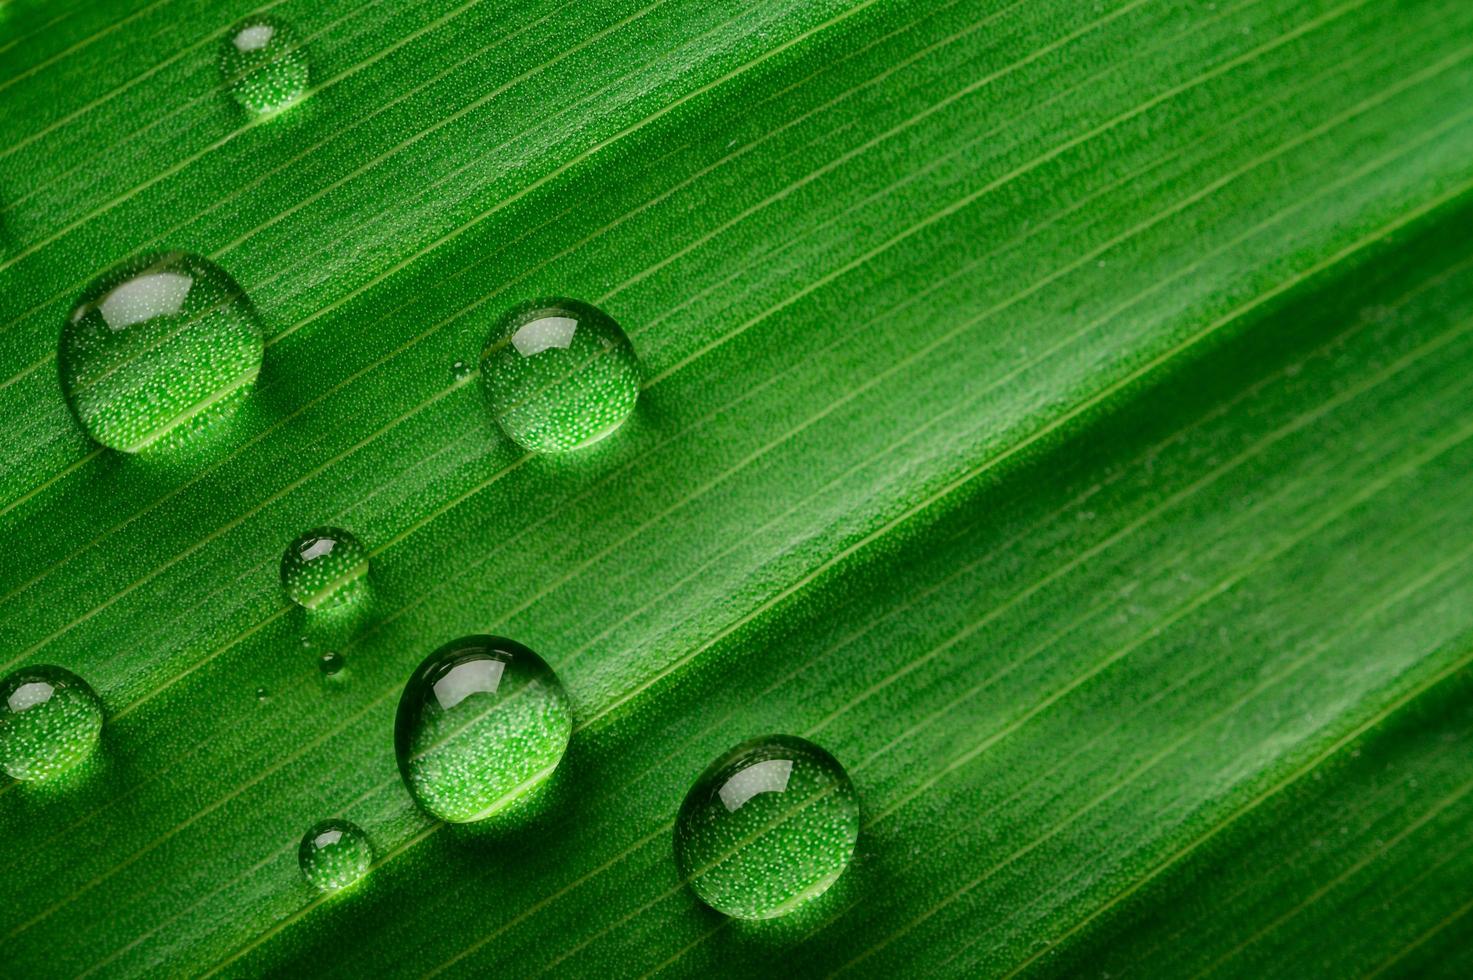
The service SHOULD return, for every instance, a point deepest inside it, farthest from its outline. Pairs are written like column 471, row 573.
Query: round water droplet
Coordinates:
column 262, row 694
column 158, row 349
column 334, row 854
column 50, row 720
column 330, row 663
column 559, row 374
column 324, row 568
column 767, row 827
column 459, row 371
column 482, row 722
column 263, row 64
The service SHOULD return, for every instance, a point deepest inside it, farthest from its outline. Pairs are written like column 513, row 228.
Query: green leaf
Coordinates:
column 1058, row 412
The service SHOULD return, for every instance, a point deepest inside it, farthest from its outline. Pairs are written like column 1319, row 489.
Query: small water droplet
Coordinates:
column 50, row 720
column 330, row 663
column 767, row 827
column 263, row 64
column 459, row 371
column 262, row 694
column 559, row 375
column 482, row 722
column 324, row 568
column 157, row 349
column 334, row 854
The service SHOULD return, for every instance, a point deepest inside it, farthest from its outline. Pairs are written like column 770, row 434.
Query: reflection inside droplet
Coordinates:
column 764, row 777
column 463, row 680
column 541, row 334
column 254, row 38
column 143, row 298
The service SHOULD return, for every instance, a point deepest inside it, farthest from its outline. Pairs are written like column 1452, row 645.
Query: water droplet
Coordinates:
column 559, row 375
column 324, row 568
column 263, row 64
column 50, row 720
column 459, row 371
column 330, row 663
column 262, row 694
column 767, row 827
column 482, row 722
column 157, row 349
column 334, row 854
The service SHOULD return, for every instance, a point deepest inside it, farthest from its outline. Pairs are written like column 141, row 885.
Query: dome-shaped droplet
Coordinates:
column 767, row 827
column 334, row 854
column 263, row 64
column 559, row 374
column 482, row 722
column 157, row 349
column 50, row 720
column 324, row 568
column 331, row 663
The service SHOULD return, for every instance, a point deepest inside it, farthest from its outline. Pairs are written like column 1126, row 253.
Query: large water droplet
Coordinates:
column 324, row 568
column 482, row 722
column 559, row 375
column 157, row 349
column 50, row 720
column 263, row 64
column 334, row 854
column 331, row 663
column 767, row 827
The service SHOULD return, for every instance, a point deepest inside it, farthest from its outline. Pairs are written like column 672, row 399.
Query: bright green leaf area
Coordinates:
column 1058, row 411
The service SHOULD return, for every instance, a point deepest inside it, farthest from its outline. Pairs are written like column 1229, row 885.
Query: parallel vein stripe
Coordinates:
column 214, row 93
column 134, row 706
column 230, row 136
column 117, row 90
column 79, row 45
column 173, row 561
column 1058, row 151
column 1407, row 830
column 131, row 707
column 470, row 307
column 1380, row 716
column 853, row 637
column 1462, row 436
column 1201, row 599
column 1458, row 914
column 1405, row 219
column 48, row 359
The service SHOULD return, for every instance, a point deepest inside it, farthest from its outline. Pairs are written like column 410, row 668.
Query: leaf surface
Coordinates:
column 1059, row 412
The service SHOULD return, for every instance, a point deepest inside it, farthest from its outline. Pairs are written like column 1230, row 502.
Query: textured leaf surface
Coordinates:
column 1057, row 411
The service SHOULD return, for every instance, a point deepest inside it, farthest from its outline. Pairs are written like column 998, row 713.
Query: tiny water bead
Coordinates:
column 50, row 720
column 263, row 64
column 157, row 349
column 482, row 722
column 334, row 854
column 559, row 375
column 330, row 663
column 324, row 568
column 767, row 827
column 460, row 371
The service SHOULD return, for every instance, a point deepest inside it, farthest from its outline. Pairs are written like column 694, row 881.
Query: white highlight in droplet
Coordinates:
column 549, row 331
column 764, row 777
column 254, row 38
column 145, row 297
